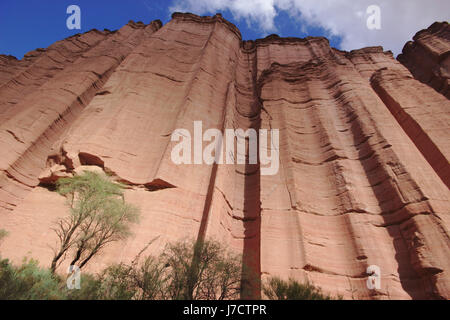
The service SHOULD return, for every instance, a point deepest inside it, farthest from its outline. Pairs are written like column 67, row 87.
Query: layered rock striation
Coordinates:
column 428, row 57
column 363, row 177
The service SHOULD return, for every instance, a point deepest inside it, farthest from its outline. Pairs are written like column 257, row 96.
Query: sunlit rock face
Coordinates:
column 364, row 150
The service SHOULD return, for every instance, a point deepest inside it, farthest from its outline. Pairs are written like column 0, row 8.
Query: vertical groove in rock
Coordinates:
column 315, row 154
column 327, row 112
column 248, row 118
column 426, row 211
column 213, row 175
column 422, row 113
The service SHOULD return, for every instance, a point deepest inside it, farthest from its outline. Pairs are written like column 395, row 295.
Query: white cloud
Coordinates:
column 261, row 12
column 400, row 19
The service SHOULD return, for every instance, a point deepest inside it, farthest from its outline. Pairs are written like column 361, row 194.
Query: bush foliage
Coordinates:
column 185, row 270
column 28, row 282
column 3, row 234
column 278, row 289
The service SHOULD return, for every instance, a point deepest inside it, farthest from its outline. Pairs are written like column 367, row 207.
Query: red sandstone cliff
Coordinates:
column 364, row 149
column 428, row 57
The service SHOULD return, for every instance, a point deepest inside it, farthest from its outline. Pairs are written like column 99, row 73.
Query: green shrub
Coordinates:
column 277, row 289
column 28, row 282
column 10, row 287
column 117, row 283
column 201, row 271
column 3, row 234
column 90, row 289
column 185, row 270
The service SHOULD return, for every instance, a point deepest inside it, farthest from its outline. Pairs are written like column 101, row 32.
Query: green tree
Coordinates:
column 98, row 216
column 277, row 289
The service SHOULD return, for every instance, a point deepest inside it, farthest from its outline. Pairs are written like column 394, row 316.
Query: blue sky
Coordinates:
column 26, row 25
column 29, row 24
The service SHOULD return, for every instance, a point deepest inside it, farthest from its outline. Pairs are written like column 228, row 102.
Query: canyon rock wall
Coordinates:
column 363, row 176
column 428, row 57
